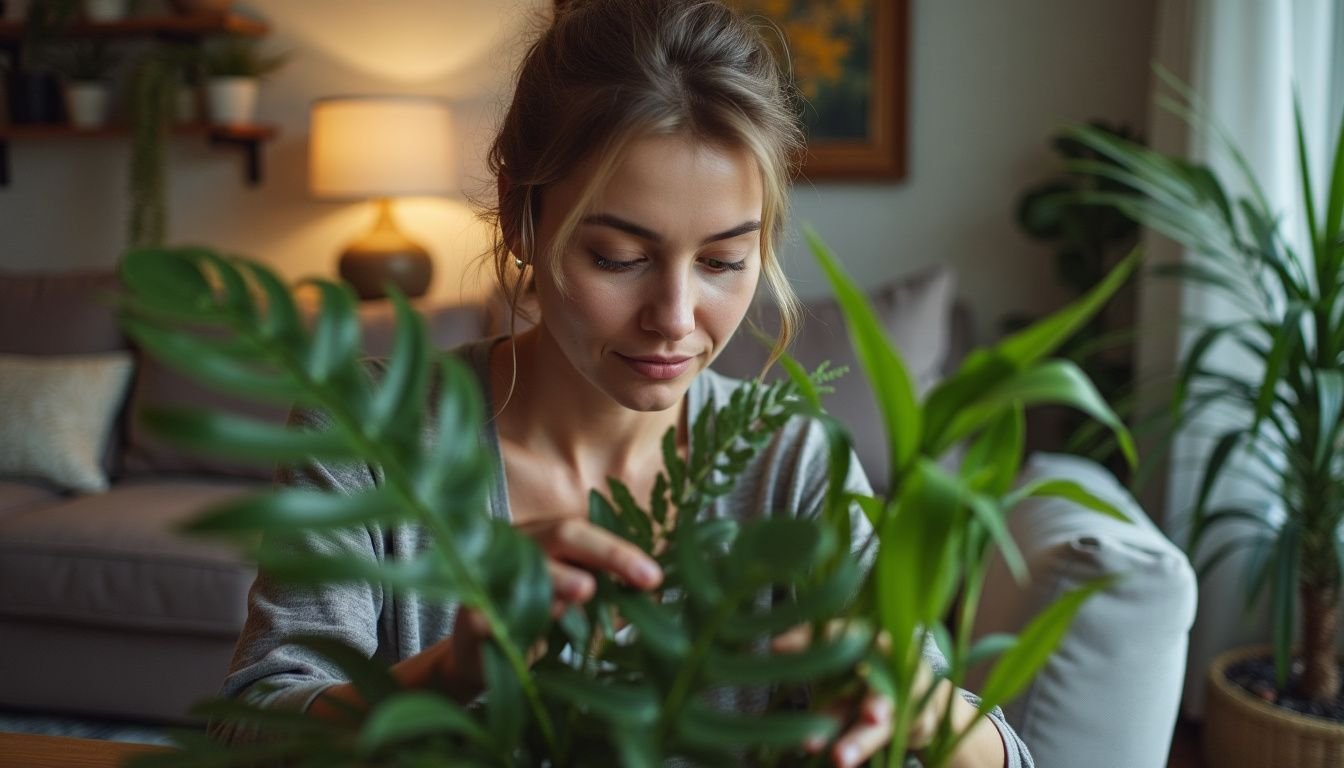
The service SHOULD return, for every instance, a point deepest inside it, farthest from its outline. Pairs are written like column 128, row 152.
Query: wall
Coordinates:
column 989, row 83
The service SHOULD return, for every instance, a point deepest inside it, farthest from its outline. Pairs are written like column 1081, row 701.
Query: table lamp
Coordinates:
column 380, row 147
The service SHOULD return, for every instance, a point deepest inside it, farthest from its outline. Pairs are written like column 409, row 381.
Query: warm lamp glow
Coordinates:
column 382, row 147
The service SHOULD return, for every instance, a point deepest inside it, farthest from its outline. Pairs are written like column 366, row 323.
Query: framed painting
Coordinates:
column 850, row 63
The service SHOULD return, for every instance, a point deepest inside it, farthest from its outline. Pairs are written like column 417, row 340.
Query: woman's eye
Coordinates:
column 719, row 265
column 613, row 265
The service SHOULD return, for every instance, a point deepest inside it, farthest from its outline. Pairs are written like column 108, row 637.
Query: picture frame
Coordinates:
column 850, row 61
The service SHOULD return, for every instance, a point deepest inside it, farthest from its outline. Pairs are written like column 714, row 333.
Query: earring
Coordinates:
column 519, row 263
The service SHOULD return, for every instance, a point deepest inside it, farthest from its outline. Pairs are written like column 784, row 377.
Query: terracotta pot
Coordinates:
column 1243, row 731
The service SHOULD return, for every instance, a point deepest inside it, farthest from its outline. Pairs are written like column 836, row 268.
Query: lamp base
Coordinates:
column 385, row 256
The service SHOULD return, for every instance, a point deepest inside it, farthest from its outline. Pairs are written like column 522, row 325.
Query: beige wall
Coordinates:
column 989, row 82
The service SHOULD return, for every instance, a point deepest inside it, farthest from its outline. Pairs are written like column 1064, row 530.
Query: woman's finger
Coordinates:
column 869, row 734
column 570, row 584
column 575, row 540
column 795, row 640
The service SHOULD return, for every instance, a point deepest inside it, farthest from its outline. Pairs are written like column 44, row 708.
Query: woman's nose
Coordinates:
column 669, row 310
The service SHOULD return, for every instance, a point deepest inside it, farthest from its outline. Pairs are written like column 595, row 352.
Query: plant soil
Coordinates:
column 1257, row 677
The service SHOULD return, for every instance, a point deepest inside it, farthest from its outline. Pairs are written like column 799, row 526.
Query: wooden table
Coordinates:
column 24, row 750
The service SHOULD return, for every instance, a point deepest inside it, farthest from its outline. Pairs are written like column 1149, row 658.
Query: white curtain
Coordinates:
column 1243, row 59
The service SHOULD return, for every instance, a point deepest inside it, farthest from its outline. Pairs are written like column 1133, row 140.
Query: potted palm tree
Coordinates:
column 1267, row 706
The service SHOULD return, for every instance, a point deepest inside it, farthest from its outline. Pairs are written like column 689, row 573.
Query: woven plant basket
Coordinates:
column 1243, row 731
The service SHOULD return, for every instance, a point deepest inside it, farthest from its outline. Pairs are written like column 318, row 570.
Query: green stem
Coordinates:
column 690, row 669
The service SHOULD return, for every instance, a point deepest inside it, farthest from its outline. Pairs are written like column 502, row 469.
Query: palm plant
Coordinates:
column 1293, row 424
column 603, row 702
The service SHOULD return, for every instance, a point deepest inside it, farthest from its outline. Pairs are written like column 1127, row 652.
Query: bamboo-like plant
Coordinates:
column 1293, row 425
column 602, row 702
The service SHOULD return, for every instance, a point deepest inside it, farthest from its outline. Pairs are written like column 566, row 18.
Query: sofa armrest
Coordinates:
column 1109, row 694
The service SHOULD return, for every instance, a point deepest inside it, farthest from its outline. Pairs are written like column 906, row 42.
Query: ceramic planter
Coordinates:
column 106, row 10
column 87, row 103
column 232, row 100
column 1243, row 731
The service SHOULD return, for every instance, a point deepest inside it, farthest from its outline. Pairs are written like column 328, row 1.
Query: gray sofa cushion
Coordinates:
column 1108, row 697
column 114, row 560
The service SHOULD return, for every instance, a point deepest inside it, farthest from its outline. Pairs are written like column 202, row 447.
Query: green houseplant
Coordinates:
column 605, row 703
column 1292, row 425
column 1088, row 241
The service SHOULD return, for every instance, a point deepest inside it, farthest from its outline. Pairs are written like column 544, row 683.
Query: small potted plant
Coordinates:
column 234, row 68
column 88, row 94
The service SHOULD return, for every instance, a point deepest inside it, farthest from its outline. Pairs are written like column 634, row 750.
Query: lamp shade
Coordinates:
column 380, row 146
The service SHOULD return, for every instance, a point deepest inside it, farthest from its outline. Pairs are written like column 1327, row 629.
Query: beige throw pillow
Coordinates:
column 56, row 413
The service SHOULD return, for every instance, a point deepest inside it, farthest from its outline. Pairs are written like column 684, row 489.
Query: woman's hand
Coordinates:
column 870, row 724
column 575, row 549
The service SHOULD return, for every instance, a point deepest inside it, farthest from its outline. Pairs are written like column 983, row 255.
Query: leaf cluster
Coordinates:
column 632, row 678
column 1289, row 399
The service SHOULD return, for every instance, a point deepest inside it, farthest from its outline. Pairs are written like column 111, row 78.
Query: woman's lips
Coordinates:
column 660, row 368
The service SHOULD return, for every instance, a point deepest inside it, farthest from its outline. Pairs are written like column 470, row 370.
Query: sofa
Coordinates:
column 106, row 611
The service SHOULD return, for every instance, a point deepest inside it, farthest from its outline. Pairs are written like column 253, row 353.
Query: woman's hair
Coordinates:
column 608, row 72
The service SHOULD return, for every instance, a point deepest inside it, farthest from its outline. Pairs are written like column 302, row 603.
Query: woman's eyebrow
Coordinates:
column 644, row 233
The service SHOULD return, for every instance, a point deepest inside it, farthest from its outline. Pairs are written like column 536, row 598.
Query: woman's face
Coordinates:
column 660, row 271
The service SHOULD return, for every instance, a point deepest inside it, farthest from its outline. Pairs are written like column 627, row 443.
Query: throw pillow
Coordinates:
column 56, row 413
column 916, row 313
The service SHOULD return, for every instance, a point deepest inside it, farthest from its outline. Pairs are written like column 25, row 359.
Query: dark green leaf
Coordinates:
column 619, row 703
column 335, row 343
column 660, row 630
column 700, row 725
column 988, row 647
column 780, row 549
column 241, row 438
column 166, row 279
column 415, row 714
column 994, row 458
column 884, row 368
column 821, row 659
column 1020, row 663
column 399, row 401
column 295, row 509
column 214, row 367
column 505, row 713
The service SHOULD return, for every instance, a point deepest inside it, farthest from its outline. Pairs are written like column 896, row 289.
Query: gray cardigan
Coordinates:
column 788, row 476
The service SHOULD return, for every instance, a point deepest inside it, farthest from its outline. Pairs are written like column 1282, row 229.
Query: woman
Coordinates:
column 643, row 172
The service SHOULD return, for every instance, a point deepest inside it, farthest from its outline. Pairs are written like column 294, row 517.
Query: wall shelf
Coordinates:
column 249, row 138
column 177, row 28
column 173, row 27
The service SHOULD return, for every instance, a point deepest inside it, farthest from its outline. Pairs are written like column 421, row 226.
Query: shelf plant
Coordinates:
column 1289, row 426
column 600, row 702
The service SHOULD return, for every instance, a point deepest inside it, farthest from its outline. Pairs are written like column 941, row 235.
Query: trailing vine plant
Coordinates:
column 601, row 696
